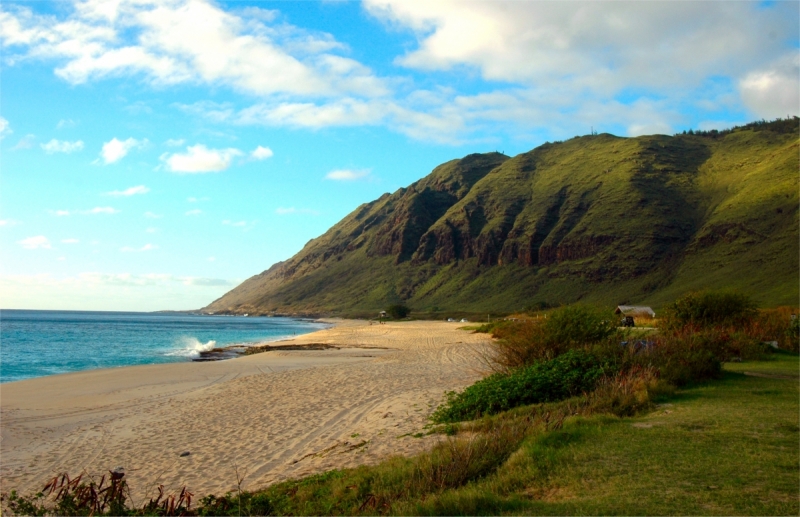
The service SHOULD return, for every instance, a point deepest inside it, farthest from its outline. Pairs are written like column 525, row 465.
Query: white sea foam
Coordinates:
column 192, row 347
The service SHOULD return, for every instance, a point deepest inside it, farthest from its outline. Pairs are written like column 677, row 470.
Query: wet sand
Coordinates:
column 271, row 416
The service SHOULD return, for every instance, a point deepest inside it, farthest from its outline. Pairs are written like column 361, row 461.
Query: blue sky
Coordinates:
column 156, row 153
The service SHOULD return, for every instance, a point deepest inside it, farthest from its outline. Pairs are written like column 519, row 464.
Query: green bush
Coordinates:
column 578, row 325
column 710, row 308
column 526, row 342
column 566, row 375
column 398, row 311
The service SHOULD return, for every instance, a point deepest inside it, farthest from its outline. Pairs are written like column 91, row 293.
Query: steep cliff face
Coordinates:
column 597, row 217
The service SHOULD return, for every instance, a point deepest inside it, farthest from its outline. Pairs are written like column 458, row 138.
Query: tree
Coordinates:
column 398, row 311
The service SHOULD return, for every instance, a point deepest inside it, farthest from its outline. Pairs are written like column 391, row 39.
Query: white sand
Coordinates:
column 274, row 415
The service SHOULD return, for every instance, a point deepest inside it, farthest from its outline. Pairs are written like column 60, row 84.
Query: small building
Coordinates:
column 635, row 310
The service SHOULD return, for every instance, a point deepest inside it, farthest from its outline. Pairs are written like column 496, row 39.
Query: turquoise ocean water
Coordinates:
column 38, row 343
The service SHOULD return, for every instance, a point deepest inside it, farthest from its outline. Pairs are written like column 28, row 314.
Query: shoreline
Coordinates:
column 162, row 355
column 343, row 396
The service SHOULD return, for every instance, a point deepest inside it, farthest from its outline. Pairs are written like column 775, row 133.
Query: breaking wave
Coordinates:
column 192, row 347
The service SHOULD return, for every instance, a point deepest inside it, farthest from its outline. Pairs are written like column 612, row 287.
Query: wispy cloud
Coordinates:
column 146, row 247
column 175, row 142
column 26, row 142
column 196, row 211
column 62, row 146
column 293, row 210
column 101, row 210
column 92, row 211
column 153, row 215
column 132, row 191
column 70, row 241
column 37, row 242
column 244, row 225
column 5, row 128
column 347, row 174
column 199, row 159
column 66, row 123
column 114, row 150
column 8, row 223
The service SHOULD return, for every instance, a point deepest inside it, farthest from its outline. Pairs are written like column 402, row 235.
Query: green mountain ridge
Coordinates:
column 599, row 218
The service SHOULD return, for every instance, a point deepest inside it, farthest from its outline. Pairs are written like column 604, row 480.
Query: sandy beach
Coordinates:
column 269, row 416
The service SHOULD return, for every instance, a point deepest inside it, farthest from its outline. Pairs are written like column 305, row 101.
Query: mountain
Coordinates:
column 597, row 218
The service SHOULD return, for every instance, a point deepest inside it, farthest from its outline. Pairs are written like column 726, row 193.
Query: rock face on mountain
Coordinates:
column 597, row 218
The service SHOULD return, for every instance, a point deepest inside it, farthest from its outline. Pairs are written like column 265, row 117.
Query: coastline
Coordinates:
column 271, row 416
column 45, row 343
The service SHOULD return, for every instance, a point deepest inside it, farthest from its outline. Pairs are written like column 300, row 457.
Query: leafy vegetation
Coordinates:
column 568, row 374
column 711, row 308
column 398, row 311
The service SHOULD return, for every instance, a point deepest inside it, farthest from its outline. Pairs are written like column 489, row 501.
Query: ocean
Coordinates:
column 39, row 343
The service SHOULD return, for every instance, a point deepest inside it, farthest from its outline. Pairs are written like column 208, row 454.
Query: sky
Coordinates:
column 155, row 154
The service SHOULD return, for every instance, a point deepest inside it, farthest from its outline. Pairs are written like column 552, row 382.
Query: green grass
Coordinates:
column 781, row 363
column 728, row 447
column 725, row 448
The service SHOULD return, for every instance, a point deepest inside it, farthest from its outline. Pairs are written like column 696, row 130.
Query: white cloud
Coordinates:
column 33, row 243
column 175, row 142
column 62, row 146
column 261, row 153
column 66, row 123
column 5, row 128
column 132, row 191
column 600, row 45
column 110, row 291
column 114, row 150
column 244, row 225
column 70, row 241
column 152, row 230
column 347, row 174
column 341, row 112
column 773, row 92
column 196, row 211
column 8, row 223
column 152, row 215
column 92, row 211
column 146, row 247
column 186, row 41
column 650, row 129
column 200, row 159
column 293, row 210
column 101, row 210
column 212, row 259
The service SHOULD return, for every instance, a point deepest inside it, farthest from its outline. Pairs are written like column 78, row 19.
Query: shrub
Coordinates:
column 568, row 374
column 398, row 311
column 710, row 308
column 525, row 342
column 686, row 356
column 776, row 325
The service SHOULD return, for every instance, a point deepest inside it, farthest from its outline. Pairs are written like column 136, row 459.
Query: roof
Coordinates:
column 634, row 309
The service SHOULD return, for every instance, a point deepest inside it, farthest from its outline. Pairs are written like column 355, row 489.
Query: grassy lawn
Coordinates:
column 727, row 447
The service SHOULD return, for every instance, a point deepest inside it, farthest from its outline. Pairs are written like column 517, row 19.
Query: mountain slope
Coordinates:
column 597, row 218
